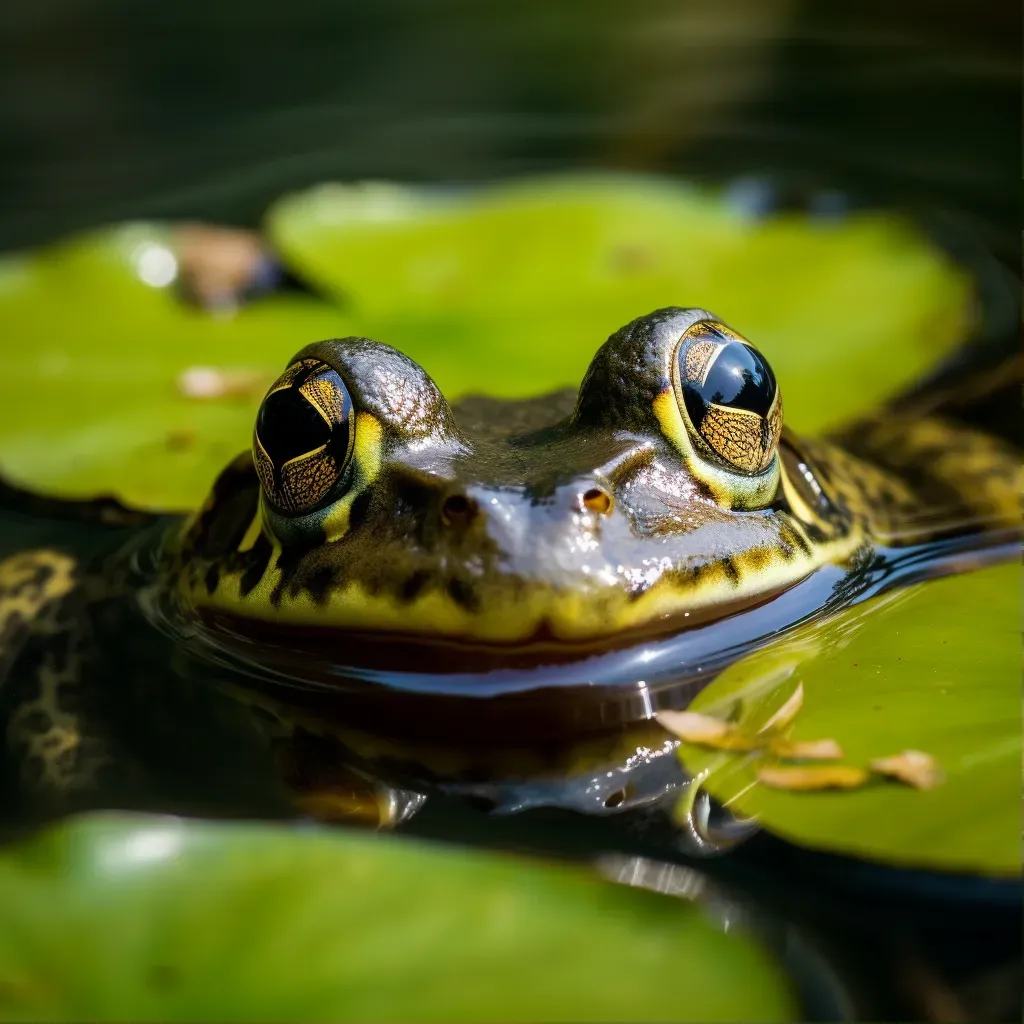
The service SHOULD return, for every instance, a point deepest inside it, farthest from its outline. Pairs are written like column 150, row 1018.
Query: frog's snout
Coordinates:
column 537, row 532
column 589, row 499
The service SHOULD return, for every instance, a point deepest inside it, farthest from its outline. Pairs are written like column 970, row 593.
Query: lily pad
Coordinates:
column 240, row 922
column 89, row 398
column 935, row 668
column 509, row 290
column 513, row 287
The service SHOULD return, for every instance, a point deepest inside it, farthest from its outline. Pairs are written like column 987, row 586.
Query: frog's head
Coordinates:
column 657, row 496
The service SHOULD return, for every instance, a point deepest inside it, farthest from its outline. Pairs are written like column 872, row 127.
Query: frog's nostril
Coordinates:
column 457, row 510
column 598, row 500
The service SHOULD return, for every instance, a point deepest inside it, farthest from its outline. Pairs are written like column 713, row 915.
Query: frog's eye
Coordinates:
column 729, row 398
column 303, row 437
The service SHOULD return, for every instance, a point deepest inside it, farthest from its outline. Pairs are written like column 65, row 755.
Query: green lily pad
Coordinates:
column 513, row 287
column 509, row 290
column 89, row 397
column 934, row 668
column 240, row 922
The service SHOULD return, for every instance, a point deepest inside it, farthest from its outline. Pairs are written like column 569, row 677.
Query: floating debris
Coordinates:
column 208, row 382
column 914, row 767
column 806, row 750
column 706, row 730
column 215, row 265
column 813, row 777
column 692, row 726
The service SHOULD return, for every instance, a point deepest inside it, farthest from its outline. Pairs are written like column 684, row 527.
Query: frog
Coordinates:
column 489, row 597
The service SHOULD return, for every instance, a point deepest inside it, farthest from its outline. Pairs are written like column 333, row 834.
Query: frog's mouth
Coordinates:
column 446, row 655
column 413, row 686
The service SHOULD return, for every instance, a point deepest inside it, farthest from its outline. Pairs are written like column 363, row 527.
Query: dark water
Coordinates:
column 114, row 109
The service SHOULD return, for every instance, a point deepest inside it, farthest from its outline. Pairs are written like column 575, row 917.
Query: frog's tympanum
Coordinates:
column 482, row 589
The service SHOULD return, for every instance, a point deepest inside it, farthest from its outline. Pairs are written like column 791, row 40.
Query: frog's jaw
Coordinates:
column 521, row 573
column 493, row 615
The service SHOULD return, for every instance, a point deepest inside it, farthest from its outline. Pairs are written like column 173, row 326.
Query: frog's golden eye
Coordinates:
column 303, row 438
column 729, row 398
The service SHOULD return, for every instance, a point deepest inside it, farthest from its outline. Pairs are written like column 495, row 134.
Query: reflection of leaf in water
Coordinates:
column 930, row 668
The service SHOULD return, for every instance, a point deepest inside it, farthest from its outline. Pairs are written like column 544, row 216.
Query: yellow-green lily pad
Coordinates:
column 517, row 284
column 934, row 668
column 158, row 919
column 90, row 399
column 508, row 290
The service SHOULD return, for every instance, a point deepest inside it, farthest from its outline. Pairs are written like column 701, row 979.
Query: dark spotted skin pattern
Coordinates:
column 81, row 672
column 43, row 648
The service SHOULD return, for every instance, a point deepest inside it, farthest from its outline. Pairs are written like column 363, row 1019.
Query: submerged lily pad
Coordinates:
column 935, row 669
column 240, row 922
column 508, row 290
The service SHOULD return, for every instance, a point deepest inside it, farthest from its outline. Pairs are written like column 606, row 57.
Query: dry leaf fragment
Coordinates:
column 734, row 739
column 207, row 382
column 813, row 777
column 787, row 712
column 691, row 725
column 914, row 767
column 811, row 750
column 705, row 730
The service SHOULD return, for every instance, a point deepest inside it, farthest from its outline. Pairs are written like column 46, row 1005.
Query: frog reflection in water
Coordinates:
column 462, row 594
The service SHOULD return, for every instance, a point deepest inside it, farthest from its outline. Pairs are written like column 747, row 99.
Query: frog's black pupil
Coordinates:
column 739, row 379
column 288, row 425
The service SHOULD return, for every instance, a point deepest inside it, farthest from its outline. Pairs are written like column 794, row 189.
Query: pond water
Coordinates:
column 212, row 111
